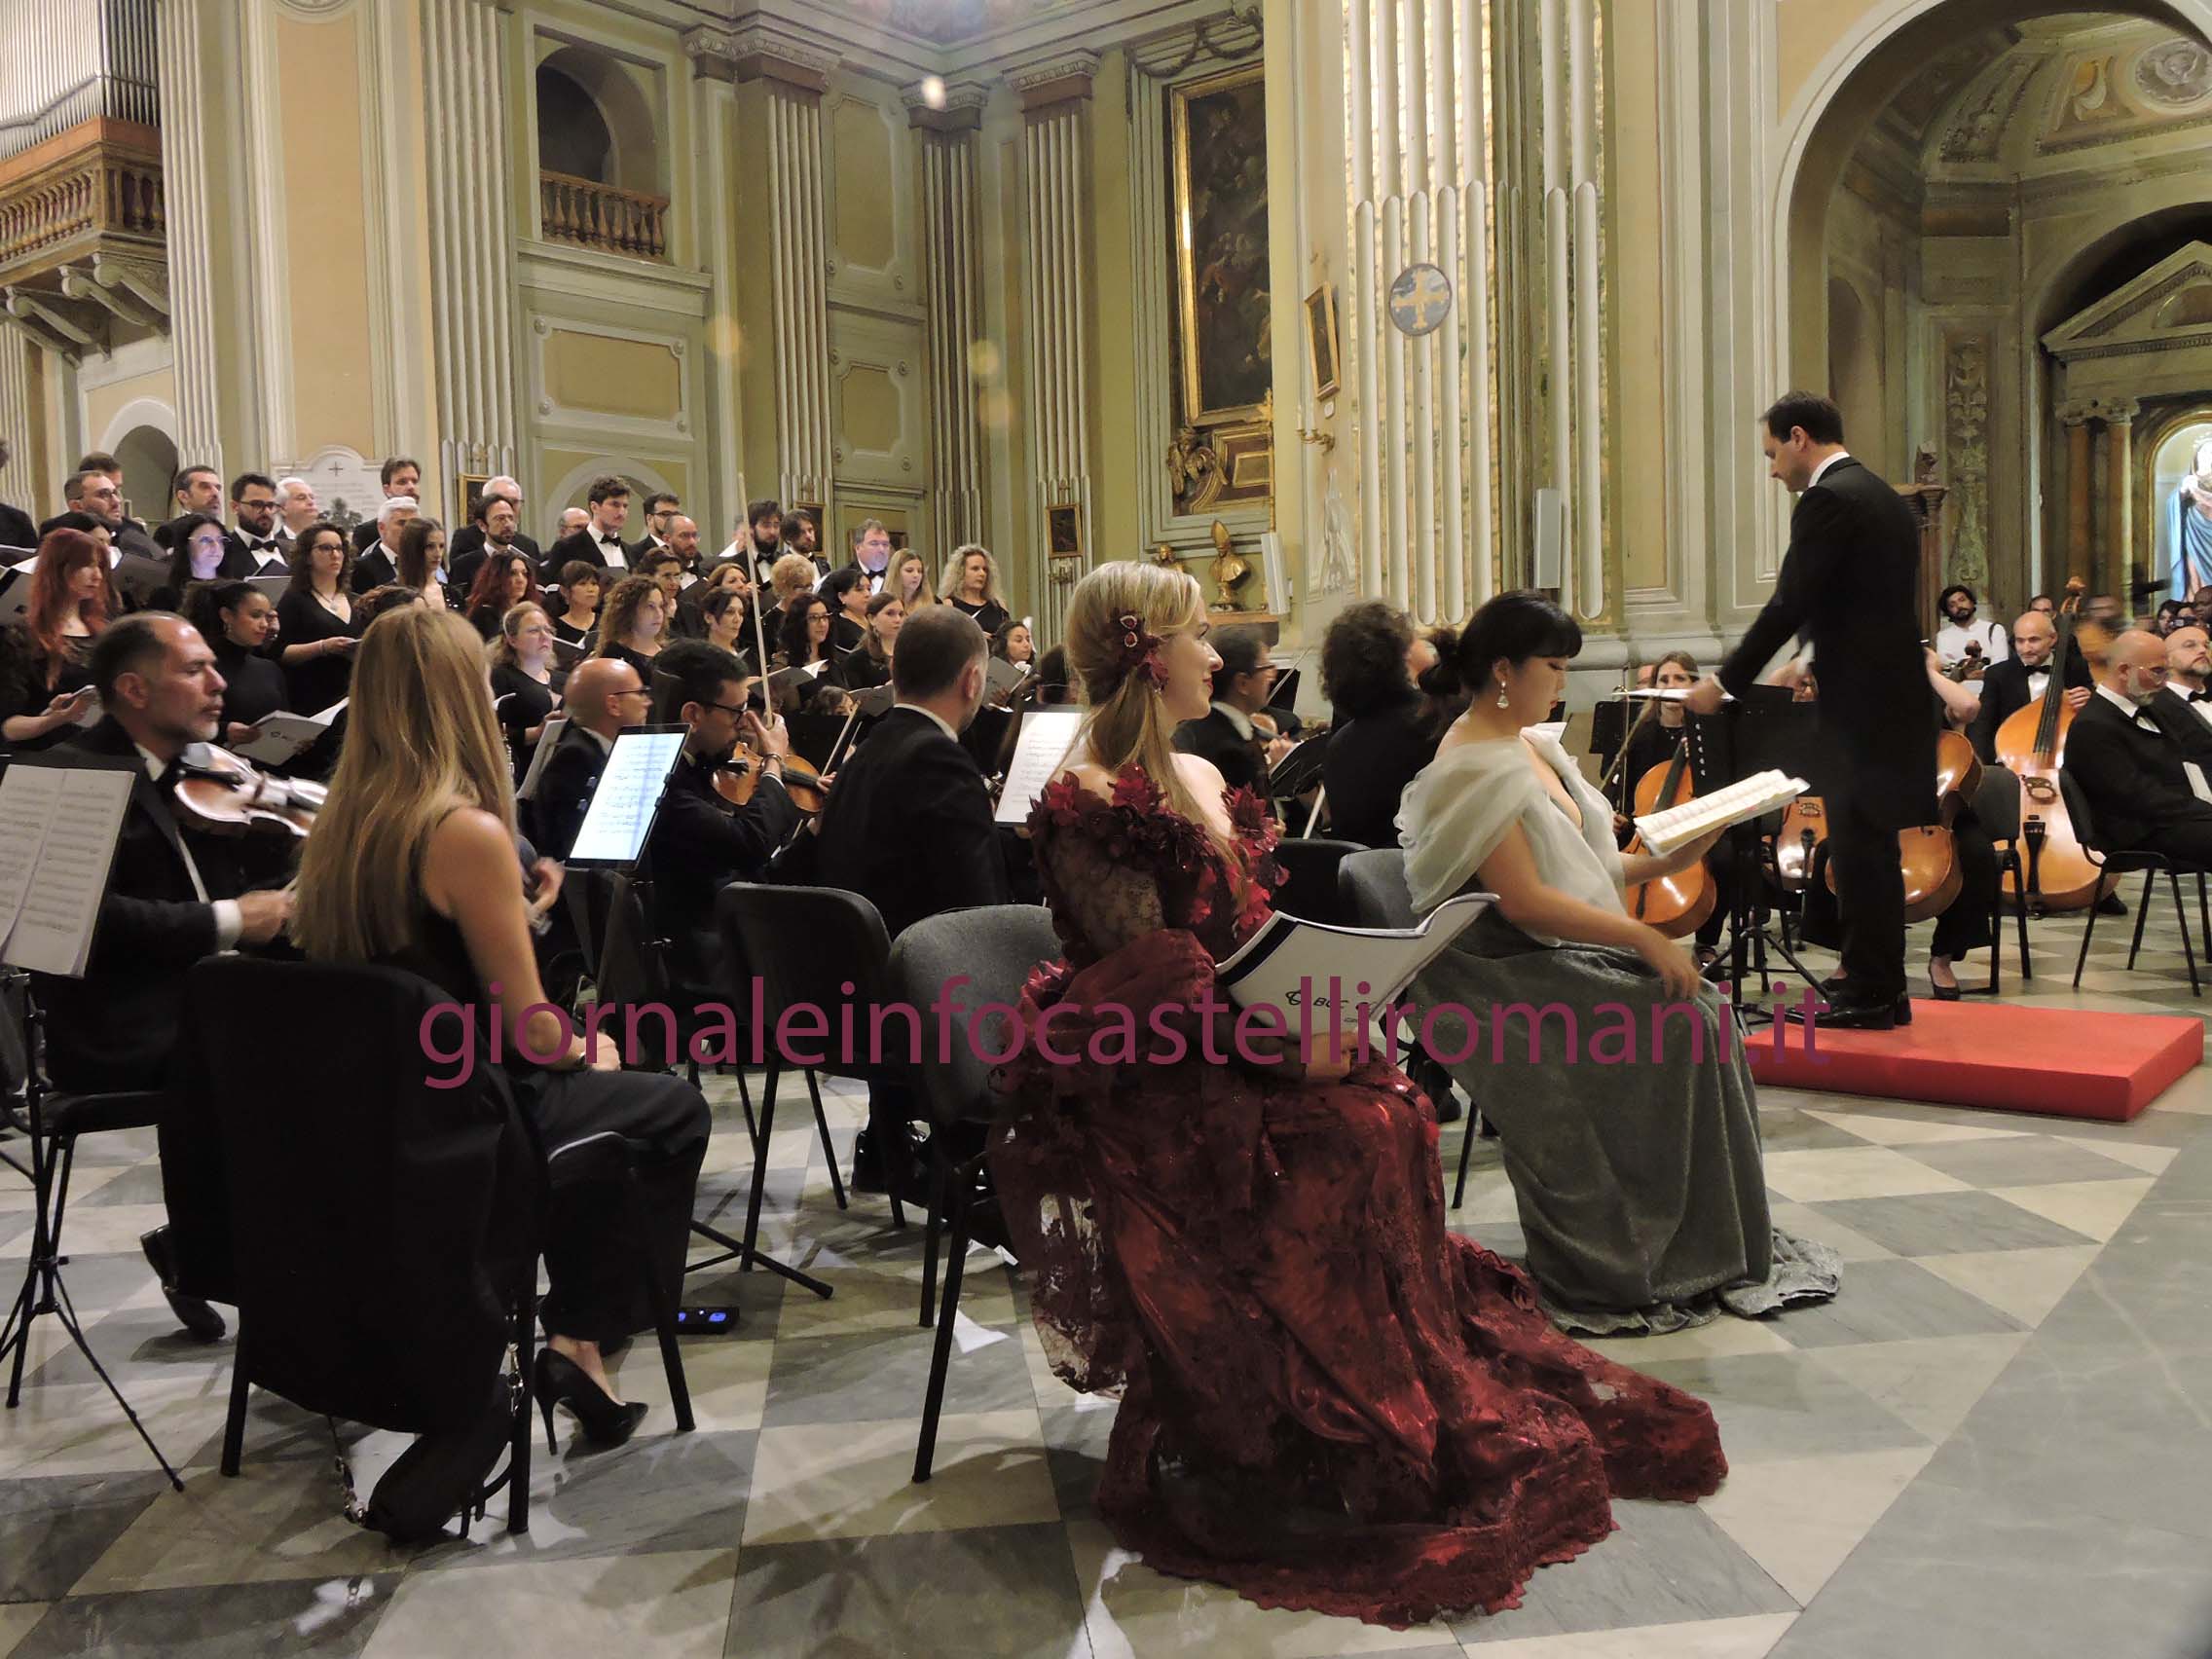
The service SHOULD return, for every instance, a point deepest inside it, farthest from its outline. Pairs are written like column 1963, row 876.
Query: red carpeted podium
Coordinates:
column 2011, row 1059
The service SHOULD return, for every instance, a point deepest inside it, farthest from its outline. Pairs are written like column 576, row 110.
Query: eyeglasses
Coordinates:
column 738, row 708
column 633, row 692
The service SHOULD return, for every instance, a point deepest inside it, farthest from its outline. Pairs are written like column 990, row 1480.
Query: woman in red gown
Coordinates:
column 1328, row 1400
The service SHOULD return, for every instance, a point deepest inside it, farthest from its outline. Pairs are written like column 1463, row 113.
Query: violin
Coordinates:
column 1676, row 904
column 222, row 794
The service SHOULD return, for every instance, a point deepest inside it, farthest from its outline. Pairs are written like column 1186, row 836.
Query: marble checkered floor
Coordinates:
column 1998, row 1441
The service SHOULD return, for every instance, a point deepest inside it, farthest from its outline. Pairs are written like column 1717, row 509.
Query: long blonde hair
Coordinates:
column 1128, row 719
column 420, row 743
column 900, row 559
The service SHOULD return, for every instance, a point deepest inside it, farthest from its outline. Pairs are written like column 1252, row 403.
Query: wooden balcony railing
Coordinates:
column 599, row 216
column 95, row 188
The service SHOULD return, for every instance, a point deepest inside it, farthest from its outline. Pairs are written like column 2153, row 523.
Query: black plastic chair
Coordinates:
column 1997, row 807
column 1373, row 882
column 1309, row 889
column 2123, row 862
column 808, row 945
column 994, row 947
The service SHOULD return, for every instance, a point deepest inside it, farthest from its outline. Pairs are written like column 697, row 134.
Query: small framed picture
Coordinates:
column 1063, row 527
column 1321, row 339
column 468, row 496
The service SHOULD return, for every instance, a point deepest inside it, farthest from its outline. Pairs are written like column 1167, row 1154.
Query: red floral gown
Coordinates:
column 1328, row 1400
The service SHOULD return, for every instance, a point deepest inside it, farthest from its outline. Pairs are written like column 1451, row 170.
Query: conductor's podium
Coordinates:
column 2070, row 1062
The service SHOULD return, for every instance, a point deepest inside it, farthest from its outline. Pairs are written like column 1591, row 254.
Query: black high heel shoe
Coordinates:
column 605, row 1421
column 1941, row 993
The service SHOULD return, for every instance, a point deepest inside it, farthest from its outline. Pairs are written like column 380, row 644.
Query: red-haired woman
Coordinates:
column 45, row 682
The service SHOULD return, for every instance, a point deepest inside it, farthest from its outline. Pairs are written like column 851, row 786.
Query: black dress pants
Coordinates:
column 2186, row 843
column 598, row 1292
column 1965, row 927
column 1869, row 893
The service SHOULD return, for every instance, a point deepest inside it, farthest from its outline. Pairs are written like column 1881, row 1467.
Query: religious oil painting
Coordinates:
column 1219, row 143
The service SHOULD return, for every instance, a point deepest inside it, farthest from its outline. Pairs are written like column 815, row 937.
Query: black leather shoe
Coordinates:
column 1942, row 993
column 1844, row 1013
column 2112, row 905
column 199, row 1320
column 605, row 1421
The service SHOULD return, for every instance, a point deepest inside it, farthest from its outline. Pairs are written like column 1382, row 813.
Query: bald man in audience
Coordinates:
column 604, row 696
column 2140, row 800
column 2183, row 710
column 2011, row 685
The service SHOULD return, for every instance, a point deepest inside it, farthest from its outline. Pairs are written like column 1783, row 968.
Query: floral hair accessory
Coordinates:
column 1140, row 649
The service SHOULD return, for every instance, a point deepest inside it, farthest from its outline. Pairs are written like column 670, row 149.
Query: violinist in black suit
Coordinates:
column 1848, row 580
column 2011, row 685
column 173, row 896
column 1225, row 735
column 603, row 697
column 2140, row 798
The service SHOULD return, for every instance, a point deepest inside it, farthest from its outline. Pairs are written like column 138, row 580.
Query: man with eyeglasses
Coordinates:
column 660, row 507
column 699, row 842
column 492, row 531
column 2021, row 678
column 2129, row 770
column 603, row 697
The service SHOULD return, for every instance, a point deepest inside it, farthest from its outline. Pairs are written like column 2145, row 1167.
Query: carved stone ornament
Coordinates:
column 2175, row 74
column 1966, row 433
column 1194, row 473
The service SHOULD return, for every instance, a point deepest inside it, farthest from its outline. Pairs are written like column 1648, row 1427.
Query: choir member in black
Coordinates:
column 1379, row 733
column 1053, row 684
column 599, row 542
column 2008, row 687
column 495, row 530
column 909, row 825
column 868, row 664
column 1848, row 579
column 972, row 588
column 791, row 576
column 422, row 565
column 699, row 842
column 631, row 624
column 45, row 660
column 846, row 590
column 803, row 640
column 2140, row 800
column 727, row 614
column 580, row 587
column 1012, row 643
column 503, row 581
column 253, row 505
column 1242, row 686
column 802, row 535
column 525, row 684
column 908, row 574
column 15, row 527
column 400, row 478
column 239, row 620
column 173, row 896
column 664, row 566
column 377, row 561
column 414, row 862
column 318, row 627
column 602, row 697
column 200, row 551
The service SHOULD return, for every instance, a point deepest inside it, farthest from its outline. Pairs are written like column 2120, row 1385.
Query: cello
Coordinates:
column 2032, row 744
column 1676, row 904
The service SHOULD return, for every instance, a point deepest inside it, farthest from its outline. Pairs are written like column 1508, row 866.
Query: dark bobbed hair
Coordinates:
column 1512, row 627
column 1363, row 658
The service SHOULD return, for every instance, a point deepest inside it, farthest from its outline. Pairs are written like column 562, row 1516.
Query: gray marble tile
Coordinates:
column 1007, row 1590
column 663, row 1492
column 52, row 1529
column 1970, row 1576
column 119, row 1146
column 1800, row 1131
column 334, row 1617
column 1784, row 1406
column 96, row 1283
column 136, row 1345
column 1947, row 1224
column 1667, row 1563
column 1890, row 1300
column 1075, row 1449
column 2020, row 1162
column 875, row 1375
column 140, row 1184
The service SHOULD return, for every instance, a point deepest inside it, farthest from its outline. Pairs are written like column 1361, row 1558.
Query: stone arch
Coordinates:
column 592, row 111
column 570, row 490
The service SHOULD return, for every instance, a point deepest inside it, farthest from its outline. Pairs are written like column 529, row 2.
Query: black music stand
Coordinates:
column 1766, row 730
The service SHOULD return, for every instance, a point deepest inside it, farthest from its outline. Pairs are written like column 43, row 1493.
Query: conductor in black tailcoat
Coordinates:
column 1848, row 580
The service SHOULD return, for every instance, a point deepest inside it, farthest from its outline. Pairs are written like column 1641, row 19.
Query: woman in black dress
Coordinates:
column 971, row 587
column 422, row 562
column 632, row 625
column 238, row 621
column 846, row 590
column 197, row 554
column 868, row 664
column 525, row 684
column 500, row 585
column 580, row 588
column 315, row 619
column 45, row 677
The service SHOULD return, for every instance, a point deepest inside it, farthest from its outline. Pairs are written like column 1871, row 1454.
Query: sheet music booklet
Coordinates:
column 546, row 740
column 58, row 826
column 1046, row 737
column 283, row 736
column 1290, row 962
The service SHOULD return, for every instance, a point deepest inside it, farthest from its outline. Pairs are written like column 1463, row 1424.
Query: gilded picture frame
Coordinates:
column 1322, row 353
column 1218, row 153
column 467, row 488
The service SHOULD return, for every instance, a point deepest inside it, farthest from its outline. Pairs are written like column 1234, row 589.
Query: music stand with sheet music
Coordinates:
column 75, row 808
column 620, row 818
column 1765, row 729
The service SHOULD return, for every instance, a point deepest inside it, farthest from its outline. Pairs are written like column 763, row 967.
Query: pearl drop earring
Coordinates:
column 1501, row 702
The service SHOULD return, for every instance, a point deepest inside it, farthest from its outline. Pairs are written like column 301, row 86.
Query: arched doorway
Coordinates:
column 149, row 459
column 2179, row 451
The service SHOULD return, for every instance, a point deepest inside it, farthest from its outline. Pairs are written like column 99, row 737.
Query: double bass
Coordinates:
column 2032, row 744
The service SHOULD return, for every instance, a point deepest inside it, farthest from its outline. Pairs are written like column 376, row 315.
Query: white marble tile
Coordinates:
column 842, row 1480
column 1751, row 1637
column 674, row 1605
column 1930, row 1383
column 2150, row 1160
column 276, row 1520
column 1718, row 1338
column 2024, row 1283
column 2095, row 1209
column 1853, row 1172
column 1798, row 1517
column 76, row 1428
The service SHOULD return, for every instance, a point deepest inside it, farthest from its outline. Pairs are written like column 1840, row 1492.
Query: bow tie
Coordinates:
column 2199, row 696
column 610, row 541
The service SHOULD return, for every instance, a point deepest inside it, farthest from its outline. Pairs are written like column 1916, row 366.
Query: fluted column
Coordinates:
column 782, row 80
column 2119, row 497
column 1421, row 194
column 2078, row 438
column 185, row 197
column 949, row 118
column 19, row 487
column 471, row 240
column 1055, row 102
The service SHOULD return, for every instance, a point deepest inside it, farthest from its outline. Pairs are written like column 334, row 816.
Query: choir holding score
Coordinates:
column 453, row 658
